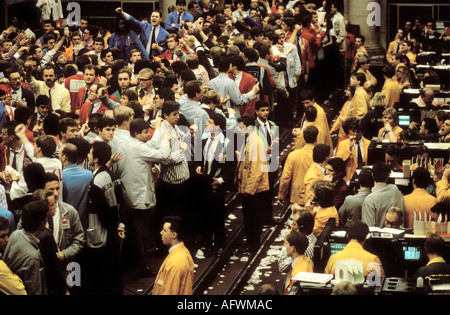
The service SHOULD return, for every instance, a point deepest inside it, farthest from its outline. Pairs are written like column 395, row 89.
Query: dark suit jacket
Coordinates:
column 29, row 98
column 219, row 168
column 26, row 94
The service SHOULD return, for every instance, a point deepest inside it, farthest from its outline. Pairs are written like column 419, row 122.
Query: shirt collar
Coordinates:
column 174, row 246
column 436, row 260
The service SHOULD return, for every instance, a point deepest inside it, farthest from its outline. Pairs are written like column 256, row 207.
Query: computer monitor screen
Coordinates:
column 336, row 247
column 404, row 120
column 411, row 253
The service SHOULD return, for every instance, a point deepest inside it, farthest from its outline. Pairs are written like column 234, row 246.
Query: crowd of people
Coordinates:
column 117, row 142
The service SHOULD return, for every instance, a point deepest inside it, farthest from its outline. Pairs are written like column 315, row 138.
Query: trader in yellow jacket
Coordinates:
column 348, row 152
column 311, row 120
column 176, row 274
column 307, row 99
column 357, row 234
column 322, row 206
column 252, row 179
column 297, row 164
column 296, row 244
column 419, row 202
column 359, row 105
column 321, row 153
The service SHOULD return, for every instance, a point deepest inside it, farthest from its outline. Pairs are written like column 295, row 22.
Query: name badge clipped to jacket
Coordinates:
column 65, row 224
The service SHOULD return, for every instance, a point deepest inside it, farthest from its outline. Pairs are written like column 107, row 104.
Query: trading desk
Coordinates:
column 377, row 150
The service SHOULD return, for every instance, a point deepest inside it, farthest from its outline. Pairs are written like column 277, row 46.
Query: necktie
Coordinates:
column 152, row 39
column 206, row 165
column 51, row 225
column 269, row 139
column 287, row 286
column 14, row 162
column 50, row 96
column 358, row 152
column 141, row 93
column 179, row 18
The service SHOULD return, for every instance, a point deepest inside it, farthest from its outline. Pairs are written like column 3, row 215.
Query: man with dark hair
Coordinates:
column 190, row 105
column 176, row 275
column 418, row 204
column 43, row 153
column 67, row 129
column 101, row 257
column 361, row 98
column 58, row 94
column 382, row 197
column 75, row 181
column 351, row 208
column 90, row 77
column 392, row 157
column 216, row 171
column 307, row 99
column 296, row 244
column 178, row 17
column 260, row 73
column 436, row 268
column 138, row 184
column 302, row 221
column 297, row 164
column 22, row 253
column 152, row 35
column 227, row 87
column 321, row 154
column 245, row 83
column 310, row 120
column 357, row 234
column 252, row 180
column 93, row 102
column 322, row 205
column 268, row 131
column 12, row 151
column 354, row 150
column 66, row 224
column 20, row 96
column 106, row 128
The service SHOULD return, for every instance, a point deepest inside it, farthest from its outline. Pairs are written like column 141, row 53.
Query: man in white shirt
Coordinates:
column 41, row 153
column 338, row 32
column 152, row 35
column 138, row 184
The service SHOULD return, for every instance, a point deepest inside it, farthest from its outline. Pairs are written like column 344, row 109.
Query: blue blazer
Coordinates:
column 173, row 17
column 132, row 42
column 144, row 35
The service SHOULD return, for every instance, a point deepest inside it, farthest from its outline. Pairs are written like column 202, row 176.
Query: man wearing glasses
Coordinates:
column 93, row 103
column 145, row 86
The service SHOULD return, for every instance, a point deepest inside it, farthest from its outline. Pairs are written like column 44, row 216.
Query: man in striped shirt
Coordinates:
column 58, row 94
column 172, row 181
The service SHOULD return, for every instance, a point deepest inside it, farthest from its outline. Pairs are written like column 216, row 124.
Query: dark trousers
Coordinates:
column 216, row 215
column 267, row 199
column 251, row 206
column 142, row 236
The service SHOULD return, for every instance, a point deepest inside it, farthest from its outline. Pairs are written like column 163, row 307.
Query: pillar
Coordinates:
column 370, row 15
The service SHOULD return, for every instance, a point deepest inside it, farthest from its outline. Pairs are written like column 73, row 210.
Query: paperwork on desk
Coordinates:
column 377, row 232
column 319, row 278
column 437, row 145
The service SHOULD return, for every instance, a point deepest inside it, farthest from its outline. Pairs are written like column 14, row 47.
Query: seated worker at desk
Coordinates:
column 391, row 130
column 392, row 158
column 357, row 234
column 393, row 218
column 437, row 267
